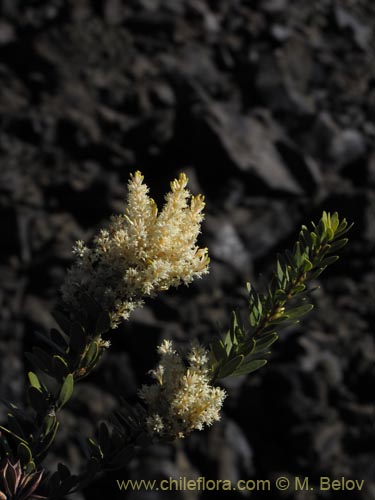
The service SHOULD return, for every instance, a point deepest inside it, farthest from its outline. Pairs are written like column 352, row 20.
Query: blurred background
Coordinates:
column 266, row 106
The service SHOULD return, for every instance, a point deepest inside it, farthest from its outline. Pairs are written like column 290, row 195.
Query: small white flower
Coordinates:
column 198, row 356
column 165, row 347
column 155, row 424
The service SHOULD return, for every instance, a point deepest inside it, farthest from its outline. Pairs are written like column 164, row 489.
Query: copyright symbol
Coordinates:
column 282, row 483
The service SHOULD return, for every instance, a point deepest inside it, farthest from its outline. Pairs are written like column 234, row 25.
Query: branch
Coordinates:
column 63, row 358
column 242, row 351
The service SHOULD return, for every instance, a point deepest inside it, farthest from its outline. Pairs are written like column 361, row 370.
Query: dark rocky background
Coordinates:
column 266, row 105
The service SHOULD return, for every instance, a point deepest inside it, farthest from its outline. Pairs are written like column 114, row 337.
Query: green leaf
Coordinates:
column 329, row 260
column 66, row 390
column 280, row 319
column 34, row 381
column 103, row 323
column 342, row 226
column 299, row 288
column 38, row 400
column 346, row 228
column 337, row 245
column 62, row 320
column 44, row 360
column 104, row 438
column 30, row 467
column 329, row 234
column 78, row 338
column 297, row 312
column 49, row 438
column 54, row 483
column 316, row 273
column 33, row 360
column 249, row 367
column 67, row 485
column 256, row 308
column 59, row 338
column 235, row 331
column 24, row 454
column 4, row 445
column 48, row 423
column 280, row 294
column 63, row 471
column 264, row 342
column 289, row 258
column 228, row 342
column 305, row 235
column 94, row 448
column 91, row 355
column 279, row 272
column 308, row 265
column 60, row 368
column 248, row 346
column 334, row 221
column 218, row 349
column 321, row 228
column 92, row 309
column 229, row 367
column 47, row 340
column 16, row 436
column 15, row 426
column 313, row 239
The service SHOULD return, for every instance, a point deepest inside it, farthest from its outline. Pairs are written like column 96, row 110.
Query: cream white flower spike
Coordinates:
column 142, row 252
column 182, row 399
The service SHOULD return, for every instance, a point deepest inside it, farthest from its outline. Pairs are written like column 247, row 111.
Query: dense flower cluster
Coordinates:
column 182, row 398
column 142, row 252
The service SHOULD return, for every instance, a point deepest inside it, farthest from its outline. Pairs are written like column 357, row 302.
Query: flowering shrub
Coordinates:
column 143, row 252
